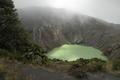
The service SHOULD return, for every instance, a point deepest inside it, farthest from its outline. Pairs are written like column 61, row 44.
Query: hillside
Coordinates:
column 52, row 27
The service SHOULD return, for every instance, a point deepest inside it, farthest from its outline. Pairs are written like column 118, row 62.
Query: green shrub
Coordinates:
column 4, row 53
column 35, row 54
column 96, row 65
column 32, row 54
column 116, row 65
column 81, row 67
column 78, row 71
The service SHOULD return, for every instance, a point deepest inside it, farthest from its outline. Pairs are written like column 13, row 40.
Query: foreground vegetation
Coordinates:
column 15, row 41
column 82, row 67
column 11, row 69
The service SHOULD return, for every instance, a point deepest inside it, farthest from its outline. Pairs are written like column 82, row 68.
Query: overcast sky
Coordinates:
column 108, row 10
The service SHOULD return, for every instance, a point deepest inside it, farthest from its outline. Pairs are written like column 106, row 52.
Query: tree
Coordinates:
column 13, row 37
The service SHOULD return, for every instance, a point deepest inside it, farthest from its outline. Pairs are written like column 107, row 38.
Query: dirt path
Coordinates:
column 103, row 76
column 28, row 72
column 40, row 74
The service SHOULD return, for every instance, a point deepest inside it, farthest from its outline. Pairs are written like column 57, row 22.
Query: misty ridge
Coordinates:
column 59, row 40
column 53, row 27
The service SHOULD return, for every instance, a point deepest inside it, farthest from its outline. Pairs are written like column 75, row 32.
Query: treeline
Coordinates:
column 15, row 41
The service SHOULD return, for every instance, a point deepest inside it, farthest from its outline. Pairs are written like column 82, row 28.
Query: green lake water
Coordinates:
column 74, row 52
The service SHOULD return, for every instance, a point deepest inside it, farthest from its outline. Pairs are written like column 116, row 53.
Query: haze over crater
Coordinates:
column 107, row 10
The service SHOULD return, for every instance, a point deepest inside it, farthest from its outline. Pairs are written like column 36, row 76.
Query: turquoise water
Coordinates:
column 74, row 52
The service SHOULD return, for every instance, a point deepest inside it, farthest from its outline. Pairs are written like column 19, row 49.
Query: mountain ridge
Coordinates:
column 52, row 27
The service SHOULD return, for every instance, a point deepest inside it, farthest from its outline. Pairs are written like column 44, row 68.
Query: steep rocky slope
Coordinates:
column 54, row 27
